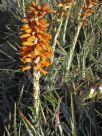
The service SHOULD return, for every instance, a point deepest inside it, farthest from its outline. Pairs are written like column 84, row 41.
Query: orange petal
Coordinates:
column 27, row 55
column 46, row 8
column 39, row 36
column 45, row 62
column 47, row 36
column 24, row 48
column 25, row 36
column 44, row 25
column 42, row 21
column 31, row 39
column 24, row 20
column 38, row 67
column 26, row 26
column 88, row 12
column 27, row 43
column 46, row 46
column 25, row 60
column 44, row 72
column 47, row 54
column 37, row 52
column 37, row 46
column 28, row 30
column 24, row 68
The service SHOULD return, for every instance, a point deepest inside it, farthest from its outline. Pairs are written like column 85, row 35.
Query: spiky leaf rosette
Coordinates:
column 35, row 40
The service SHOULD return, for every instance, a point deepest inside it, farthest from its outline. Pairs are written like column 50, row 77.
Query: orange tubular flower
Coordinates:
column 35, row 40
column 64, row 7
column 87, row 10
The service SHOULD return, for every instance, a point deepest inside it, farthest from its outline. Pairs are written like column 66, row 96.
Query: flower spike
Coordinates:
column 35, row 40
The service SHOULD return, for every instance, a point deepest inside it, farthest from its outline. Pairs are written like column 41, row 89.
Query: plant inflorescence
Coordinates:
column 35, row 51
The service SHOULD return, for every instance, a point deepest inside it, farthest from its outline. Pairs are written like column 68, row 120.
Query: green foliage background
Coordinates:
column 68, row 106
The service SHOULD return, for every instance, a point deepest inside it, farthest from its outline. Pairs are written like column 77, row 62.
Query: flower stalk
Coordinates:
column 85, row 12
column 36, row 51
column 63, row 11
column 36, row 88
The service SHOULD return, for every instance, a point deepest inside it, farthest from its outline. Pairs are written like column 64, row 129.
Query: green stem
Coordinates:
column 65, row 26
column 73, row 123
column 56, row 36
column 72, row 48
